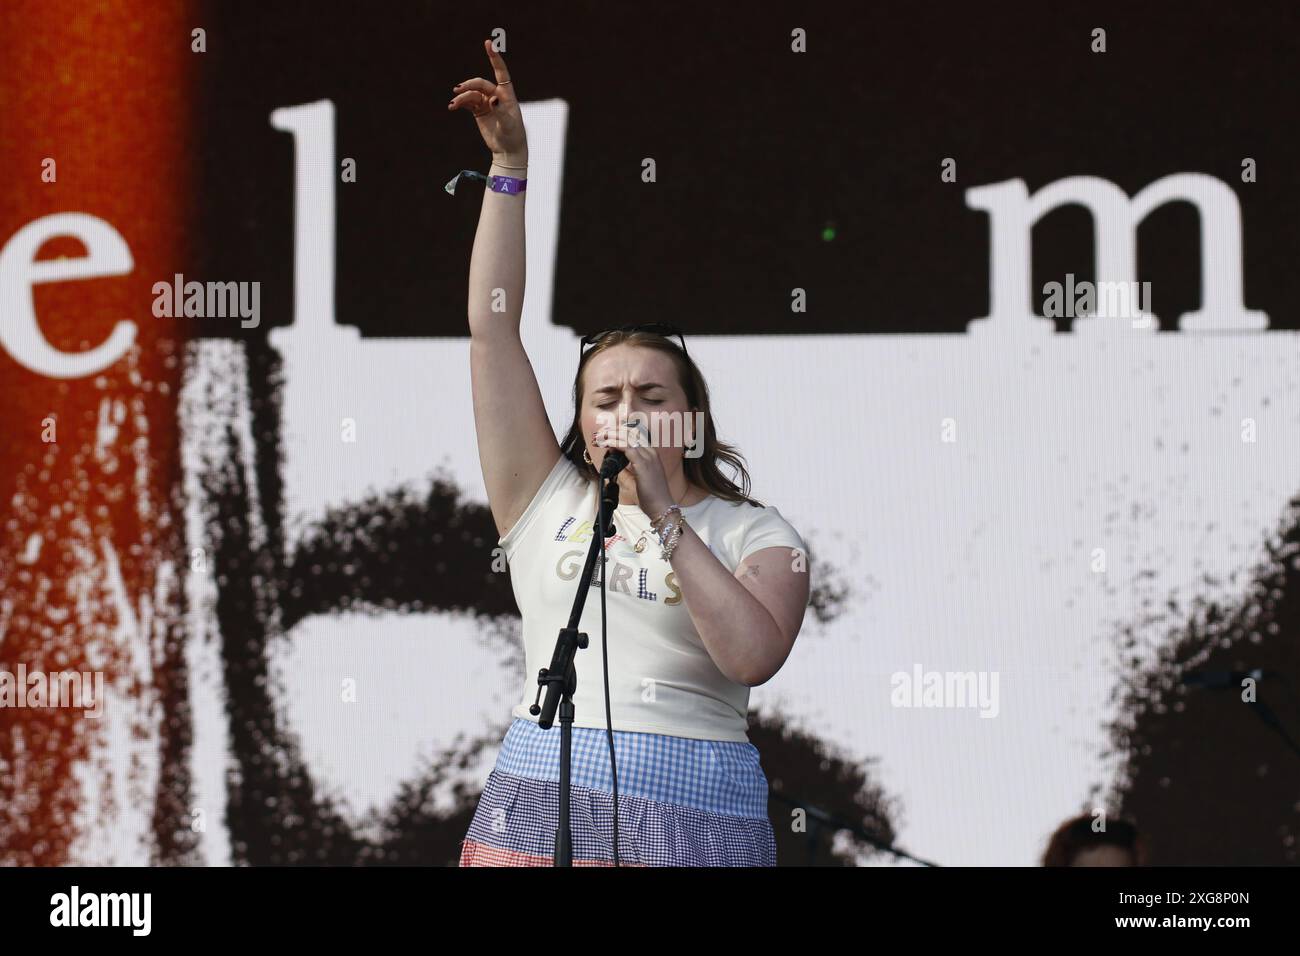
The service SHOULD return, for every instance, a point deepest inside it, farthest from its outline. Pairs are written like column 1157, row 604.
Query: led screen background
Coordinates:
column 273, row 542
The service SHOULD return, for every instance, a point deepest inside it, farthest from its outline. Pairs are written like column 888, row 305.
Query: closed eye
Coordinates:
column 649, row 401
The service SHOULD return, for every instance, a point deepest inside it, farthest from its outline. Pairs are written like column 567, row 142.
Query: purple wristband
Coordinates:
column 507, row 184
column 498, row 184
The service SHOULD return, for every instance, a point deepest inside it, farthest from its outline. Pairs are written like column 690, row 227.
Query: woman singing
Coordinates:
column 706, row 588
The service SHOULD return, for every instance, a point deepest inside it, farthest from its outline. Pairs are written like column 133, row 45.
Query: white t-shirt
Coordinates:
column 662, row 679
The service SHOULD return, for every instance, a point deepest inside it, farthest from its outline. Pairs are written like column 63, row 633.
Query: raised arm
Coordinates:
column 516, row 446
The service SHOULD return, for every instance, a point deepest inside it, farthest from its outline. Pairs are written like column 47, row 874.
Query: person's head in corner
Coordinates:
column 1087, row 840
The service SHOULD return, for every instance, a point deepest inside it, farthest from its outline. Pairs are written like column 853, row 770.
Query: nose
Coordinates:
column 628, row 414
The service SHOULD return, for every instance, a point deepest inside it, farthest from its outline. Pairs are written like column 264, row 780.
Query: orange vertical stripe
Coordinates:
column 104, row 91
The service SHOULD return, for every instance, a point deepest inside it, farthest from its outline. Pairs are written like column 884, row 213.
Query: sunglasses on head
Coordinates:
column 658, row 328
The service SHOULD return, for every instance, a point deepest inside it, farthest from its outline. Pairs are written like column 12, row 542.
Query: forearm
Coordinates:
column 738, row 632
column 498, row 259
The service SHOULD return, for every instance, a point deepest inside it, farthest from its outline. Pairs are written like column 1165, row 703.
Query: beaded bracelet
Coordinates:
column 673, row 537
column 667, row 511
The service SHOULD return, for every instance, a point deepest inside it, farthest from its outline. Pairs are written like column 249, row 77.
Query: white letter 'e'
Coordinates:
column 20, row 335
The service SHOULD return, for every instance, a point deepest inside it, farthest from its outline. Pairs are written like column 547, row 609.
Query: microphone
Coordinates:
column 613, row 462
column 1216, row 680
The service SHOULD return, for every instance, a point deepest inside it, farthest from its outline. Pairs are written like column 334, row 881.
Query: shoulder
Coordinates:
column 568, row 475
column 743, row 527
column 564, row 489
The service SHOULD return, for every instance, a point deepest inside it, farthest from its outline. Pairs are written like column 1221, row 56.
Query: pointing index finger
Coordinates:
column 498, row 64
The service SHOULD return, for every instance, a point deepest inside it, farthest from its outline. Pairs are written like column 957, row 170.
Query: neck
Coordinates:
column 682, row 491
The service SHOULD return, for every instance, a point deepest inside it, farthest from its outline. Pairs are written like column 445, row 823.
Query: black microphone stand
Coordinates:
column 560, row 680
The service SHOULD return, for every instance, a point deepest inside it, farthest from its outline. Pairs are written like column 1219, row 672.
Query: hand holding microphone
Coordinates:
column 628, row 435
column 631, row 447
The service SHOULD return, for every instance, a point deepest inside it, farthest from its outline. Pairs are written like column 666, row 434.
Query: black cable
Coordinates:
column 604, row 654
column 1295, row 699
column 834, row 824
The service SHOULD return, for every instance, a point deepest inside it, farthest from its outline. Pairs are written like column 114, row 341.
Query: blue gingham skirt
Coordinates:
column 681, row 801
